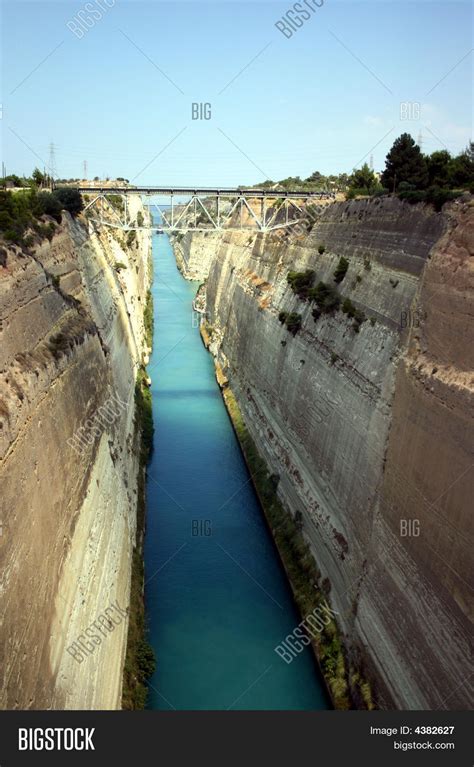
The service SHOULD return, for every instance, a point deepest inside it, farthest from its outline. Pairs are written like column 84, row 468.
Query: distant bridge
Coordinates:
column 206, row 209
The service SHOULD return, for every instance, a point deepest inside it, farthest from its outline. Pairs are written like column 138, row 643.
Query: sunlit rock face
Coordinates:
column 370, row 432
column 71, row 339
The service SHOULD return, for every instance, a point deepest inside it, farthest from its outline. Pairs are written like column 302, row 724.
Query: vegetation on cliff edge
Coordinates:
column 341, row 269
column 301, row 569
column 148, row 319
column 139, row 659
column 291, row 320
column 325, row 297
column 23, row 211
column 301, row 282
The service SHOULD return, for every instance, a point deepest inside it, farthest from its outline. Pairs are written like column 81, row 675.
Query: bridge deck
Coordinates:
column 203, row 191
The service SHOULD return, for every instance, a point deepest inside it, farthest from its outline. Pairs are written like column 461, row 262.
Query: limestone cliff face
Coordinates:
column 194, row 252
column 369, row 431
column 71, row 339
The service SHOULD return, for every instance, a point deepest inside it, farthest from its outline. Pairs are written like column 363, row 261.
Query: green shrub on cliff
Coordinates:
column 301, row 282
column 145, row 661
column 44, row 230
column 144, row 412
column 116, row 201
column 341, row 269
column 435, row 195
column 139, row 658
column 292, row 321
column 134, row 691
column 356, row 314
column 326, row 297
column 348, row 307
column 148, row 319
column 16, row 214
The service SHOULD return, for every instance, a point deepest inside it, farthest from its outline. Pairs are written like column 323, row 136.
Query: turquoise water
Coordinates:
column 217, row 599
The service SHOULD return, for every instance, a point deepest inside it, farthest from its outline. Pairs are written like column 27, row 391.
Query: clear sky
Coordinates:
column 120, row 96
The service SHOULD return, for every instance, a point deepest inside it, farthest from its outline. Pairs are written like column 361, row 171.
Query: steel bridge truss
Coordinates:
column 204, row 211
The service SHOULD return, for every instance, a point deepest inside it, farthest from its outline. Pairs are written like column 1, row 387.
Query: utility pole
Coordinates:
column 420, row 141
column 84, row 166
column 52, row 163
column 371, row 163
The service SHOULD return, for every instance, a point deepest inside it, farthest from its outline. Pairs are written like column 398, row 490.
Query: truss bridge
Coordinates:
column 195, row 209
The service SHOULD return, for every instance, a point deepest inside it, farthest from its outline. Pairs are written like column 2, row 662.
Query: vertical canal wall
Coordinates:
column 72, row 339
column 368, row 426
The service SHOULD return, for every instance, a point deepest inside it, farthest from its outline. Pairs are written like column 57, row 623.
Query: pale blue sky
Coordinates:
column 303, row 104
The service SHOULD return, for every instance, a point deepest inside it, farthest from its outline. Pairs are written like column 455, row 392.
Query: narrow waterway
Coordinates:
column 217, row 599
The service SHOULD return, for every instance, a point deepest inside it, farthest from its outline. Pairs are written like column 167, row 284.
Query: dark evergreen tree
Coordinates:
column 38, row 177
column 405, row 162
column 438, row 168
column 316, row 178
column 48, row 203
column 363, row 178
column 461, row 170
column 70, row 200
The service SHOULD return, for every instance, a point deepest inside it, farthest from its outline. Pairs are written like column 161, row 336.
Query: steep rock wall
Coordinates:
column 357, row 424
column 72, row 336
column 193, row 252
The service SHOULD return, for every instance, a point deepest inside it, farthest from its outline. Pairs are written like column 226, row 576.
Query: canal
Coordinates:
column 217, row 599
